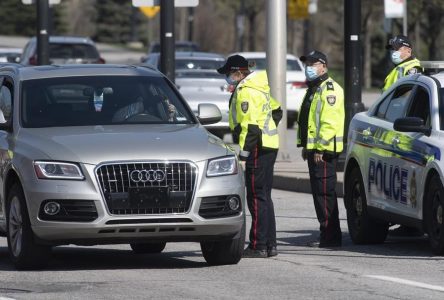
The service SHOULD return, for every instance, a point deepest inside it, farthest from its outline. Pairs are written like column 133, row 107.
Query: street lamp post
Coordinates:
column 353, row 60
column 42, row 32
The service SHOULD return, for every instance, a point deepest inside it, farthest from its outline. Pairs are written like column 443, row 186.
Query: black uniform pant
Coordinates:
column 323, row 184
column 259, row 182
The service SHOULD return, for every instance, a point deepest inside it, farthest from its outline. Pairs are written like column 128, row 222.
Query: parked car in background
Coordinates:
column 295, row 81
column 199, row 82
column 180, row 46
column 112, row 154
column 64, row 50
column 11, row 55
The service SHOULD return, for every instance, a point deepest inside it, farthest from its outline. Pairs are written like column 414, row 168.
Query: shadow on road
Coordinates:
column 295, row 242
column 85, row 258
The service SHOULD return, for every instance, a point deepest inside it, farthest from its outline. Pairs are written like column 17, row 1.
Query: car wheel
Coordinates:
column 224, row 252
column 23, row 250
column 147, row 248
column 434, row 206
column 362, row 228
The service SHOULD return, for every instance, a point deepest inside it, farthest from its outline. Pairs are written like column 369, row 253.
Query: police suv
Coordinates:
column 394, row 169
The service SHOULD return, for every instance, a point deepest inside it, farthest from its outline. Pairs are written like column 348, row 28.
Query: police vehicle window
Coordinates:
column 101, row 100
column 6, row 102
column 398, row 104
column 420, row 105
column 382, row 108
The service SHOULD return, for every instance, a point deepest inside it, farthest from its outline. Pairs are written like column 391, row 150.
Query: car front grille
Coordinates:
column 147, row 187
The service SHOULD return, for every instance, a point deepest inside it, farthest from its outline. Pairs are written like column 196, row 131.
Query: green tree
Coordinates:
column 20, row 19
column 113, row 21
column 17, row 19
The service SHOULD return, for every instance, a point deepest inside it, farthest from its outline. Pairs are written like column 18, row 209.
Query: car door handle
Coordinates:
column 395, row 141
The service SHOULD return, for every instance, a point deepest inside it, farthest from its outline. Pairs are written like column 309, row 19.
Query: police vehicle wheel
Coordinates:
column 227, row 252
column 362, row 228
column 23, row 250
column 147, row 248
column 434, row 206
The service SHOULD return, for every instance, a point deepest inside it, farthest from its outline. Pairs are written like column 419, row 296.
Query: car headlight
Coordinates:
column 222, row 166
column 57, row 170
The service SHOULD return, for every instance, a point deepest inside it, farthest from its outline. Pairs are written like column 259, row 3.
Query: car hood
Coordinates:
column 96, row 144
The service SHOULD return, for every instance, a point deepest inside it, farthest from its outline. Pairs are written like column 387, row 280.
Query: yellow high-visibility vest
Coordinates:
column 251, row 114
column 409, row 67
column 326, row 119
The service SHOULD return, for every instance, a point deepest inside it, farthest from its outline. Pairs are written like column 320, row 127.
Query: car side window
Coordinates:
column 396, row 105
column 6, row 102
column 420, row 105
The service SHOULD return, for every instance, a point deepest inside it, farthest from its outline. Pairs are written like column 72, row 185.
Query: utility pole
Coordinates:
column 190, row 23
column 353, row 60
column 277, row 64
column 167, row 46
column 42, row 32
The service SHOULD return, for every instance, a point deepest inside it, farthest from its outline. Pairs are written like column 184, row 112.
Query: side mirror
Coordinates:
column 411, row 124
column 208, row 113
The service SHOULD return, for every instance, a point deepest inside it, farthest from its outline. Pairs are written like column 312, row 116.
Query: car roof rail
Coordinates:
column 432, row 67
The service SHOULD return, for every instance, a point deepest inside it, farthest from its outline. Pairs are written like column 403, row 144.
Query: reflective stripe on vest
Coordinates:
column 317, row 139
column 266, row 129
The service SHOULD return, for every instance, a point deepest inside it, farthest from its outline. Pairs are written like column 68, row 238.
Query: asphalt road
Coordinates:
column 399, row 269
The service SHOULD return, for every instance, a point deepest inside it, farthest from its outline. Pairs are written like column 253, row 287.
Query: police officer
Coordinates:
column 255, row 130
column 401, row 55
column 320, row 133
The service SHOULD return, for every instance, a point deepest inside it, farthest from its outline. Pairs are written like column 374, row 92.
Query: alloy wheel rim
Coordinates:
column 15, row 229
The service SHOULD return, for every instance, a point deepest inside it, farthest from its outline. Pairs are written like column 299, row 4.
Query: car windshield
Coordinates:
column 101, row 100
column 261, row 64
column 64, row 50
column 193, row 64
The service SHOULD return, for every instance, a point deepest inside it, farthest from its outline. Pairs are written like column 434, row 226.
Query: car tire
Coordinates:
column 227, row 252
column 148, row 248
column 25, row 253
column 362, row 228
column 434, row 205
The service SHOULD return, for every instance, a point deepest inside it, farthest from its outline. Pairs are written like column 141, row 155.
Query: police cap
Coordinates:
column 234, row 63
column 397, row 42
column 314, row 56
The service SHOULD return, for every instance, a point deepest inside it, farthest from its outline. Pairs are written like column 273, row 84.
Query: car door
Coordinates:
column 411, row 152
column 6, row 97
column 385, row 174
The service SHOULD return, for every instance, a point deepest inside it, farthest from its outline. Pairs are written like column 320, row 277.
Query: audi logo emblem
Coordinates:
column 147, row 175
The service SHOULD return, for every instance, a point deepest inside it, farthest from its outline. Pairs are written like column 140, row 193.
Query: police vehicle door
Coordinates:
column 386, row 177
column 412, row 152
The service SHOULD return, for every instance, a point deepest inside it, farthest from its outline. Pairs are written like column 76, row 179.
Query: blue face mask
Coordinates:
column 310, row 73
column 396, row 57
column 231, row 80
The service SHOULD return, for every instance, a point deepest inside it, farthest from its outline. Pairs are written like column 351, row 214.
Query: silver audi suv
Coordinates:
column 103, row 154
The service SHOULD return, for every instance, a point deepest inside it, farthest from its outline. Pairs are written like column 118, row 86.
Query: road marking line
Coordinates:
column 407, row 282
column 5, row 298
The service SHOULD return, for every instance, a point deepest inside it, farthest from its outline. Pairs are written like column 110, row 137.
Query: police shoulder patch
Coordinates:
column 244, row 106
column 412, row 71
column 331, row 99
column 330, row 86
